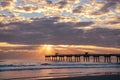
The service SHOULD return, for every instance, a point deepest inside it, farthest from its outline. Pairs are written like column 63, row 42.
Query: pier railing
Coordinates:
column 85, row 57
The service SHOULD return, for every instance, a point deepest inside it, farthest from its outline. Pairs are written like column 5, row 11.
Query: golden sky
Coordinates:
column 37, row 27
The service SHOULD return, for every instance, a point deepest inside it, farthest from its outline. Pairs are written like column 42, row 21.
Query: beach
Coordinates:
column 101, row 77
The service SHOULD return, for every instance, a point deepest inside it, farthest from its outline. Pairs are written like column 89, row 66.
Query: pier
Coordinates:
column 83, row 57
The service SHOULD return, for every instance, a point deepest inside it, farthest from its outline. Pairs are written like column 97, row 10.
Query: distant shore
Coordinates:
column 100, row 77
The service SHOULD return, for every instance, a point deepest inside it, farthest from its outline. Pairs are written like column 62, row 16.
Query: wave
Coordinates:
column 59, row 64
column 19, row 67
column 14, row 65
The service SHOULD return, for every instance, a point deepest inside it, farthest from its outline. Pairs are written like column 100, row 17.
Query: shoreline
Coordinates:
column 92, row 77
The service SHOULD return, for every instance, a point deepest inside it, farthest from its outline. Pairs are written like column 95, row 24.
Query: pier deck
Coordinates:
column 86, row 57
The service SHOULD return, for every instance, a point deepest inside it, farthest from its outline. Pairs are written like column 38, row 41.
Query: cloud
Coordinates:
column 70, row 25
column 108, row 5
column 27, row 8
column 7, row 4
column 118, row 9
column 38, row 1
column 82, row 24
column 68, row 19
column 112, row 22
column 60, row 19
column 77, row 9
column 73, row 1
column 47, row 31
column 62, row 3
column 2, row 17
column 90, row 10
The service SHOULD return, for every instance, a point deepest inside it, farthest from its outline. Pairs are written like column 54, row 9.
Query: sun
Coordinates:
column 47, row 49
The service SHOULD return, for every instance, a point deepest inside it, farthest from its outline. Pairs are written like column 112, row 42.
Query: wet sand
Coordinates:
column 101, row 77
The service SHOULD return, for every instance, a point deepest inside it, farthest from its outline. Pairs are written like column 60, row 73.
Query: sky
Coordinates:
column 30, row 29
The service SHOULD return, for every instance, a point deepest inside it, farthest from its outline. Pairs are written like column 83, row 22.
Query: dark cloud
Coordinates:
column 108, row 4
column 19, row 55
column 113, row 22
column 1, row 24
column 47, row 31
column 62, row 3
column 4, row 3
column 49, row 2
column 77, row 9
column 104, row 37
column 82, row 24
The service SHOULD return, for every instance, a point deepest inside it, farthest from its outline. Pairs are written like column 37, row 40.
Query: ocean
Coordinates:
column 37, row 69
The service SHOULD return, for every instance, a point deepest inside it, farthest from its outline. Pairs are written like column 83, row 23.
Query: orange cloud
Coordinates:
column 52, row 49
column 66, row 49
column 73, row 1
column 5, row 44
column 118, row 9
column 2, row 17
column 68, row 19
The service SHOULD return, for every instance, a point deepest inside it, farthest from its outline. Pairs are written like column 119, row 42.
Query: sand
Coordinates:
column 101, row 77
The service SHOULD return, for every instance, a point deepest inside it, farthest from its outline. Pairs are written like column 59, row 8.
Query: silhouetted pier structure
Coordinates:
column 86, row 57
